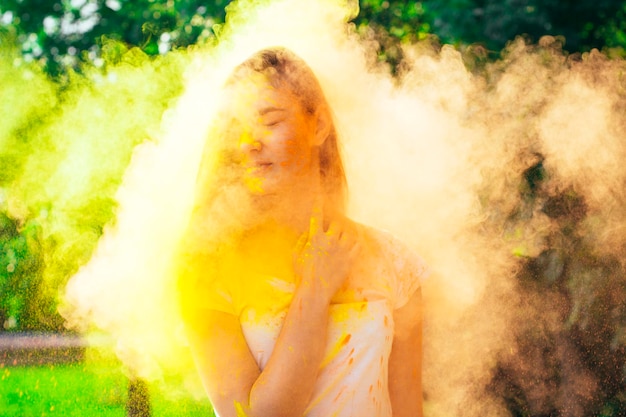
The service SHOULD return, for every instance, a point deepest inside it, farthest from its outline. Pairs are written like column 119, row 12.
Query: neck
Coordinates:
column 290, row 216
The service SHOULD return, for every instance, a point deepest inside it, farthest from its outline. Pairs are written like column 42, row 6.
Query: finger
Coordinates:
column 301, row 243
column 334, row 229
column 317, row 217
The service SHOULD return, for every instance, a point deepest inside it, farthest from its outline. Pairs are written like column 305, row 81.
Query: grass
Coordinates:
column 93, row 388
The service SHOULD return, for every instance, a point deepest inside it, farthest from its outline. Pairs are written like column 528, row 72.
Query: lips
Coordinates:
column 259, row 166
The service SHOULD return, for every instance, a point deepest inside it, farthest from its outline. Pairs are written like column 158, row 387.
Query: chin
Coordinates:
column 259, row 186
column 263, row 194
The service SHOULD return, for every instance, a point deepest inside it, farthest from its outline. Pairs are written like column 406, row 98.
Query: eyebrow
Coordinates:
column 270, row 109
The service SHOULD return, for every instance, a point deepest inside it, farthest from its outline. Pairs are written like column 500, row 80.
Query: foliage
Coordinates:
column 63, row 33
column 24, row 301
column 571, row 357
column 584, row 24
column 53, row 130
column 569, row 354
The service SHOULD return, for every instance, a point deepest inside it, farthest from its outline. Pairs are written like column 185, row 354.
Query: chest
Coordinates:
column 357, row 334
column 267, row 282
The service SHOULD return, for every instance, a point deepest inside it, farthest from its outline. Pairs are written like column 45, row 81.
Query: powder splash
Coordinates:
column 435, row 156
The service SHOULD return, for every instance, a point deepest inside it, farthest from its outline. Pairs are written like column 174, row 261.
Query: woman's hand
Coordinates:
column 323, row 259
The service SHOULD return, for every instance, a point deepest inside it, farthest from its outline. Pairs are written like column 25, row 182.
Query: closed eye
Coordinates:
column 272, row 122
column 272, row 116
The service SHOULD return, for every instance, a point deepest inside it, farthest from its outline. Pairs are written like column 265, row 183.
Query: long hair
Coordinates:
column 222, row 209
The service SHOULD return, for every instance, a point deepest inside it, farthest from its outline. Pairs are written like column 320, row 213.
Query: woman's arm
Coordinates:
column 232, row 378
column 230, row 374
column 405, row 362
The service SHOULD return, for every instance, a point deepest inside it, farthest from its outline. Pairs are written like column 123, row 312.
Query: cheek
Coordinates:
column 296, row 153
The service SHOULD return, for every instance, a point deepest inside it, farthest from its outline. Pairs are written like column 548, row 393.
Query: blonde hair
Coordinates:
column 222, row 210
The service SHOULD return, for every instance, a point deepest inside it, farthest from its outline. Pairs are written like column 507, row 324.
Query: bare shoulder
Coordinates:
column 397, row 265
column 367, row 235
column 390, row 248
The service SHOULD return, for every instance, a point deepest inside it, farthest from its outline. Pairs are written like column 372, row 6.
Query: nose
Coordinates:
column 249, row 142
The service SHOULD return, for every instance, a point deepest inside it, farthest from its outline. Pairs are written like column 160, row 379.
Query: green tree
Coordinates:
column 25, row 303
column 585, row 24
column 63, row 33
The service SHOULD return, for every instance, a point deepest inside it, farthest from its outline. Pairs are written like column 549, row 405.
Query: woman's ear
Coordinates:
column 322, row 126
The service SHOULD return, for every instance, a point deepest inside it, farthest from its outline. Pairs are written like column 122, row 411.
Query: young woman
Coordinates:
column 291, row 308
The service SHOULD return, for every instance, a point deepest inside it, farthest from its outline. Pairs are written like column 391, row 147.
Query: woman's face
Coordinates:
column 273, row 136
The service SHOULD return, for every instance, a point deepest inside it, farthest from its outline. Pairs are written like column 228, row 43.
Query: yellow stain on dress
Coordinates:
column 239, row 410
column 260, row 280
column 334, row 351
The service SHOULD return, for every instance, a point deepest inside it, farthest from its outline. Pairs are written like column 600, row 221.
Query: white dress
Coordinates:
column 353, row 375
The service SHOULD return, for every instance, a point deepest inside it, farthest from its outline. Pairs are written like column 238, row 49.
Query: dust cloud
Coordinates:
column 436, row 155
